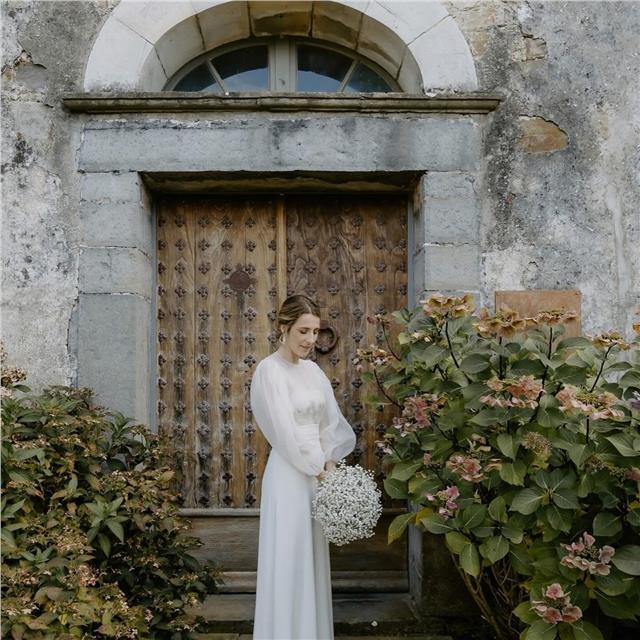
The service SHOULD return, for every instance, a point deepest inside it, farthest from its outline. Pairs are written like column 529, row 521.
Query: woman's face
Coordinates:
column 303, row 334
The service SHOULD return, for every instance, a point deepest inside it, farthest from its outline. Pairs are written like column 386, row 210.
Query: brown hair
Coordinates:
column 294, row 307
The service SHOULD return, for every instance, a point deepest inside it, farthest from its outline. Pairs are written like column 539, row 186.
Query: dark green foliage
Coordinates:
column 92, row 543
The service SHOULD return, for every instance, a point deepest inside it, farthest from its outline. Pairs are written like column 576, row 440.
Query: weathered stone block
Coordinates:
column 349, row 143
column 227, row 23
column 111, row 187
column 117, row 47
column 152, row 19
column 123, row 224
column 410, row 77
column 378, row 43
column 113, row 351
column 454, row 69
column 291, row 18
column 180, row 45
column 450, row 209
column 451, row 267
column 407, row 19
column 336, row 23
column 115, row 270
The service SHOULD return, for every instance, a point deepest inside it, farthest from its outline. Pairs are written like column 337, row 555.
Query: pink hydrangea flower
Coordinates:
column 552, row 615
column 571, row 614
column 554, row 591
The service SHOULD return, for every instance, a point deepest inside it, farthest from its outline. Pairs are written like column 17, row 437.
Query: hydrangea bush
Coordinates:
column 92, row 544
column 522, row 449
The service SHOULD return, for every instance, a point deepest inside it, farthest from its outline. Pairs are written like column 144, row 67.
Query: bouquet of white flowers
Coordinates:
column 347, row 504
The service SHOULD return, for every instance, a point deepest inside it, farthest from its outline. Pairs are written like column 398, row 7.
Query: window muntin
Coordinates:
column 244, row 69
column 365, row 80
column 198, row 79
column 282, row 65
column 321, row 69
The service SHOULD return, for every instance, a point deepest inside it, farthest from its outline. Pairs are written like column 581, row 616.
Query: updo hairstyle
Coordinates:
column 294, row 307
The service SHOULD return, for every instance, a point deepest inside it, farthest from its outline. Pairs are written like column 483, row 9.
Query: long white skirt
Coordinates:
column 293, row 598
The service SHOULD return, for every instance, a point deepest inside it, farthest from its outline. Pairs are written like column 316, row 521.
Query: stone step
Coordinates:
column 236, row 636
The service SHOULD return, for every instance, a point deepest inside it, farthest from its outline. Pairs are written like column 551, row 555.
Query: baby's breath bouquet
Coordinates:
column 347, row 504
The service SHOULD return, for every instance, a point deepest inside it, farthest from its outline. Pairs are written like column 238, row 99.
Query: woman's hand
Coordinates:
column 329, row 466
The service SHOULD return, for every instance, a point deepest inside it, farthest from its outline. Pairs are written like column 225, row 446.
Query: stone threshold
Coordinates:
column 177, row 101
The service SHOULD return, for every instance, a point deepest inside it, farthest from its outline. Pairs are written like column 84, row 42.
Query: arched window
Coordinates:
column 282, row 65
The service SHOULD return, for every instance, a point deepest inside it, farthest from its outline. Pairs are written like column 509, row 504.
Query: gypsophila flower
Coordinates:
column 586, row 556
column 347, row 504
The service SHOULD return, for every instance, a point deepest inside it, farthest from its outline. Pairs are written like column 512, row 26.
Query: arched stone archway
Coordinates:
column 142, row 44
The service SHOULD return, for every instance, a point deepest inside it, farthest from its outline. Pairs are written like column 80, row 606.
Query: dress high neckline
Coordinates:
column 283, row 359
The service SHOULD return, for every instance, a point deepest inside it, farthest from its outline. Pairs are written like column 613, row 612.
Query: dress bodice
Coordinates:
column 305, row 392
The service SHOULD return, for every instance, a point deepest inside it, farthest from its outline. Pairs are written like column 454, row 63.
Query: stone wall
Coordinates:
column 557, row 194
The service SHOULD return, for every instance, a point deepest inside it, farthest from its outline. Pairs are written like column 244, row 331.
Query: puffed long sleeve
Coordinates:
column 273, row 411
column 336, row 435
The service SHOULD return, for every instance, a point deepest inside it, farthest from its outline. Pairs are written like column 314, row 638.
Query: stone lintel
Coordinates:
column 177, row 101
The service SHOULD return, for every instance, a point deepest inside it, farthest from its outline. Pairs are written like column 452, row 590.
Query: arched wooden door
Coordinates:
column 224, row 264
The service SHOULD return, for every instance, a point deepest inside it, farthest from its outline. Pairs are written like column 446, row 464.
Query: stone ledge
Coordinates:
column 177, row 101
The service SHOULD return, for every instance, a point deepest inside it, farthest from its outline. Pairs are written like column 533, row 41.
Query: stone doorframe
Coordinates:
column 432, row 151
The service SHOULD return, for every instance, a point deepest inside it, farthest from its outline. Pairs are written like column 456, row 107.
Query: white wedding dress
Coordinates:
column 296, row 410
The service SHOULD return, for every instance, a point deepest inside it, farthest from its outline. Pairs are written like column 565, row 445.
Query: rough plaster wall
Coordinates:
column 562, row 182
column 561, row 193
column 44, row 47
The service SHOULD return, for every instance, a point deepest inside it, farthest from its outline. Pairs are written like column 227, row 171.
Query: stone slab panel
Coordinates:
column 115, row 270
column 113, row 351
column 356, row 143
column 448, row 267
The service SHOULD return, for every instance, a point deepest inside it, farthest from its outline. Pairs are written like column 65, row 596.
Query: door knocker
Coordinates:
column 327, row 337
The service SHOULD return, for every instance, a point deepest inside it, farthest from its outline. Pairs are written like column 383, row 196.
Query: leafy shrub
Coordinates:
column 523, row 450
column 92, row 543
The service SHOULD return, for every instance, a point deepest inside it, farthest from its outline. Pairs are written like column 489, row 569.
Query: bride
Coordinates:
column 296, row 410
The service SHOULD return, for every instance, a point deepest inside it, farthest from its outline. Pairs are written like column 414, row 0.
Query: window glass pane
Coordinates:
column 198, row 79
column 320, row 69
column 244, row 69
column 364, row 80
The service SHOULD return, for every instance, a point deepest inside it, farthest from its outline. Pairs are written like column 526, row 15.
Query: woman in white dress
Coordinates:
column 294, row 406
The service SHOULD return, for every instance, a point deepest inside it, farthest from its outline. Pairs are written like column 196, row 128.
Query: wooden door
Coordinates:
column 224, row 265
